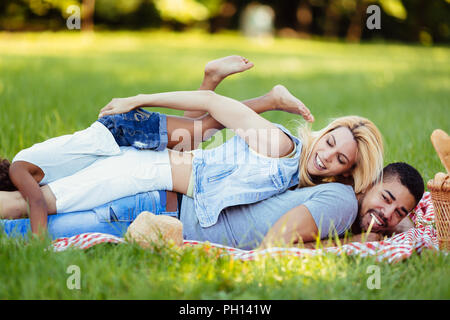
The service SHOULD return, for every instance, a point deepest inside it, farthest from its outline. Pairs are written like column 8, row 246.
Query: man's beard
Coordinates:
column 359, row 225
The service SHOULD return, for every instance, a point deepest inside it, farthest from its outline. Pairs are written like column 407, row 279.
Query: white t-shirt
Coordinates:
column 131, row 172
column 63, row 156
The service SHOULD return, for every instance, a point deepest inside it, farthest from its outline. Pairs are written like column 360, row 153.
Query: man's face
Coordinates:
column 387, row 203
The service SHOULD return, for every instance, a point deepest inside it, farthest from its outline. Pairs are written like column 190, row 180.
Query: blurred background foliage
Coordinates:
column 424, row 21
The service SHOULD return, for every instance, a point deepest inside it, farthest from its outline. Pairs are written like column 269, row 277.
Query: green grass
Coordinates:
column 128, row 272
column 54, row 84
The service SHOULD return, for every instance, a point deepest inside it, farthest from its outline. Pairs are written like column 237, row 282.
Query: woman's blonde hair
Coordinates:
column 369, row 160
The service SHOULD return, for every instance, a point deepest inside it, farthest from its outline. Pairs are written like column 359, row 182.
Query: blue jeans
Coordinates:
column 111, row 218
column 138, row 128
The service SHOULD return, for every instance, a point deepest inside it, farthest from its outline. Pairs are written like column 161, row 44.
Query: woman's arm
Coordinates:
column 260, row 134
column 295, row 226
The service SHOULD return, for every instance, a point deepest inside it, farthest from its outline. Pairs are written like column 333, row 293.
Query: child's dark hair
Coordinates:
column 408, row 176
column 5, row 182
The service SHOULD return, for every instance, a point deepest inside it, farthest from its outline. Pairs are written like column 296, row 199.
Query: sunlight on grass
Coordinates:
column 127, row 271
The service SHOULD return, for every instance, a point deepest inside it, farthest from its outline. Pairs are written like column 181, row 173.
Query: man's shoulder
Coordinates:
column 332, row 195
column 330, row 187
column 332, row 205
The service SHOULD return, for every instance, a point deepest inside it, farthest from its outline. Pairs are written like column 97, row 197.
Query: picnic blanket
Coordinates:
column 394, row 249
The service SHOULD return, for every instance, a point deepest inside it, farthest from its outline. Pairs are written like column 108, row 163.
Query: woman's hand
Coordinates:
column 119, row 105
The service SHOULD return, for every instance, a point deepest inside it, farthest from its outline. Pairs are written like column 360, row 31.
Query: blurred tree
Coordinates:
column 425, row 21
column 87, row 9
column 134, row 14
column 187, row 11
column 357, row 21
column 394, row 8
column 222, row 20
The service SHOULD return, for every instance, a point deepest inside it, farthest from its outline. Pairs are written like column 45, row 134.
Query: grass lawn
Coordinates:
column 55, row 84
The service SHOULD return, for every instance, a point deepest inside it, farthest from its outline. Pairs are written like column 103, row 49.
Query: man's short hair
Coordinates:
column 408, row 176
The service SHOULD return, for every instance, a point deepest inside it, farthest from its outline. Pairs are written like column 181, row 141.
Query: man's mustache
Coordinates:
column 379, row 215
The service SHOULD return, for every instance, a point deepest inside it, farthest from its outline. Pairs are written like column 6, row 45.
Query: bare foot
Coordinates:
column 285, row 101
column 219, row 69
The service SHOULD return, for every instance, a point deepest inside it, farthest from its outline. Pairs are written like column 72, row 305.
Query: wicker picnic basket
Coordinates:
column 440, row 196
column 440, row 189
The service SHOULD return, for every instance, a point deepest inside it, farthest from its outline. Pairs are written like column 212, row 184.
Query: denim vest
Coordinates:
column 233, row 174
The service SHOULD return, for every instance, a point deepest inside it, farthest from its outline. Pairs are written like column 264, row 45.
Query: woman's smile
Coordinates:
column 333, row 154
column 319, row 164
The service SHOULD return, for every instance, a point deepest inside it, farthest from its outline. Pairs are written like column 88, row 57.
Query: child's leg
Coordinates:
column 216, row 71
column 154, row 131
column 145, row 130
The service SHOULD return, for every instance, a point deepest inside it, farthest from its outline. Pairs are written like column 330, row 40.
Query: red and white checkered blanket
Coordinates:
column 394, row 249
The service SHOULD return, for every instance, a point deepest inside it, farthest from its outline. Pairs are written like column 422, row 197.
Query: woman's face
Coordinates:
column 334, row 154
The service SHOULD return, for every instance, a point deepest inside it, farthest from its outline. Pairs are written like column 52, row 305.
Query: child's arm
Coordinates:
column 260, row 134
column 22, row 175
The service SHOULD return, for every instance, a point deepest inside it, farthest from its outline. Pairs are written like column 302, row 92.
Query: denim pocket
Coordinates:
column 278, row 176
column 221, row 175
column 103, row 213
column 125, row 209
column 112, row 215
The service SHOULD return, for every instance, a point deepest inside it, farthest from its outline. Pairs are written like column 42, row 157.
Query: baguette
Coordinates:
column 440, row 182
column 440, row 179
column 441, row 143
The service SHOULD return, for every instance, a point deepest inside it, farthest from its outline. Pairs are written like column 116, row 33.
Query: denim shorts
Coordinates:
column 138, row 128
column 112, row 218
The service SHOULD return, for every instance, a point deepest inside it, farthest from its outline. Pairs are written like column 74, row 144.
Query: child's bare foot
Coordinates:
column 216, row 71
column 219, row 69
column 285, row 101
